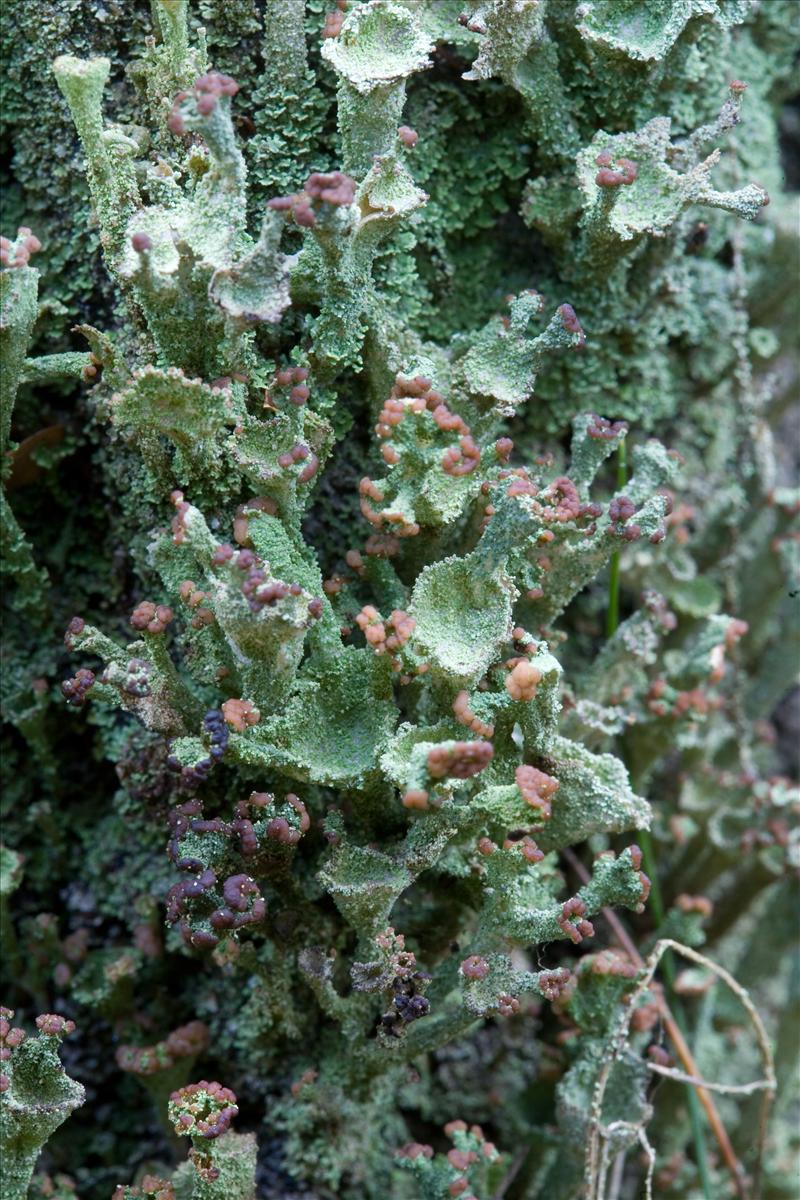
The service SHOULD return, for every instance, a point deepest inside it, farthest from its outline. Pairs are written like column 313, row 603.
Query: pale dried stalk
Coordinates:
column 617, row 1174
column 739, row 992
column 674, row 1035
column 673, row 1032
column 607, row 1131
column 596, row 1156
column 651, row 1165
column 724, row 1089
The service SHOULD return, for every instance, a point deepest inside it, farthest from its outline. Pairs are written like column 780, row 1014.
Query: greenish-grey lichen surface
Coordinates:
column 350, row 353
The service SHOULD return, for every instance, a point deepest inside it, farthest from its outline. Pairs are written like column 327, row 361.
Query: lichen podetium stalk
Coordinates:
column 612, row 615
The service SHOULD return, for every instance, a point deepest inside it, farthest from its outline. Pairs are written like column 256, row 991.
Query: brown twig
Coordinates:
column 511, row 1174
column 676, row 1037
